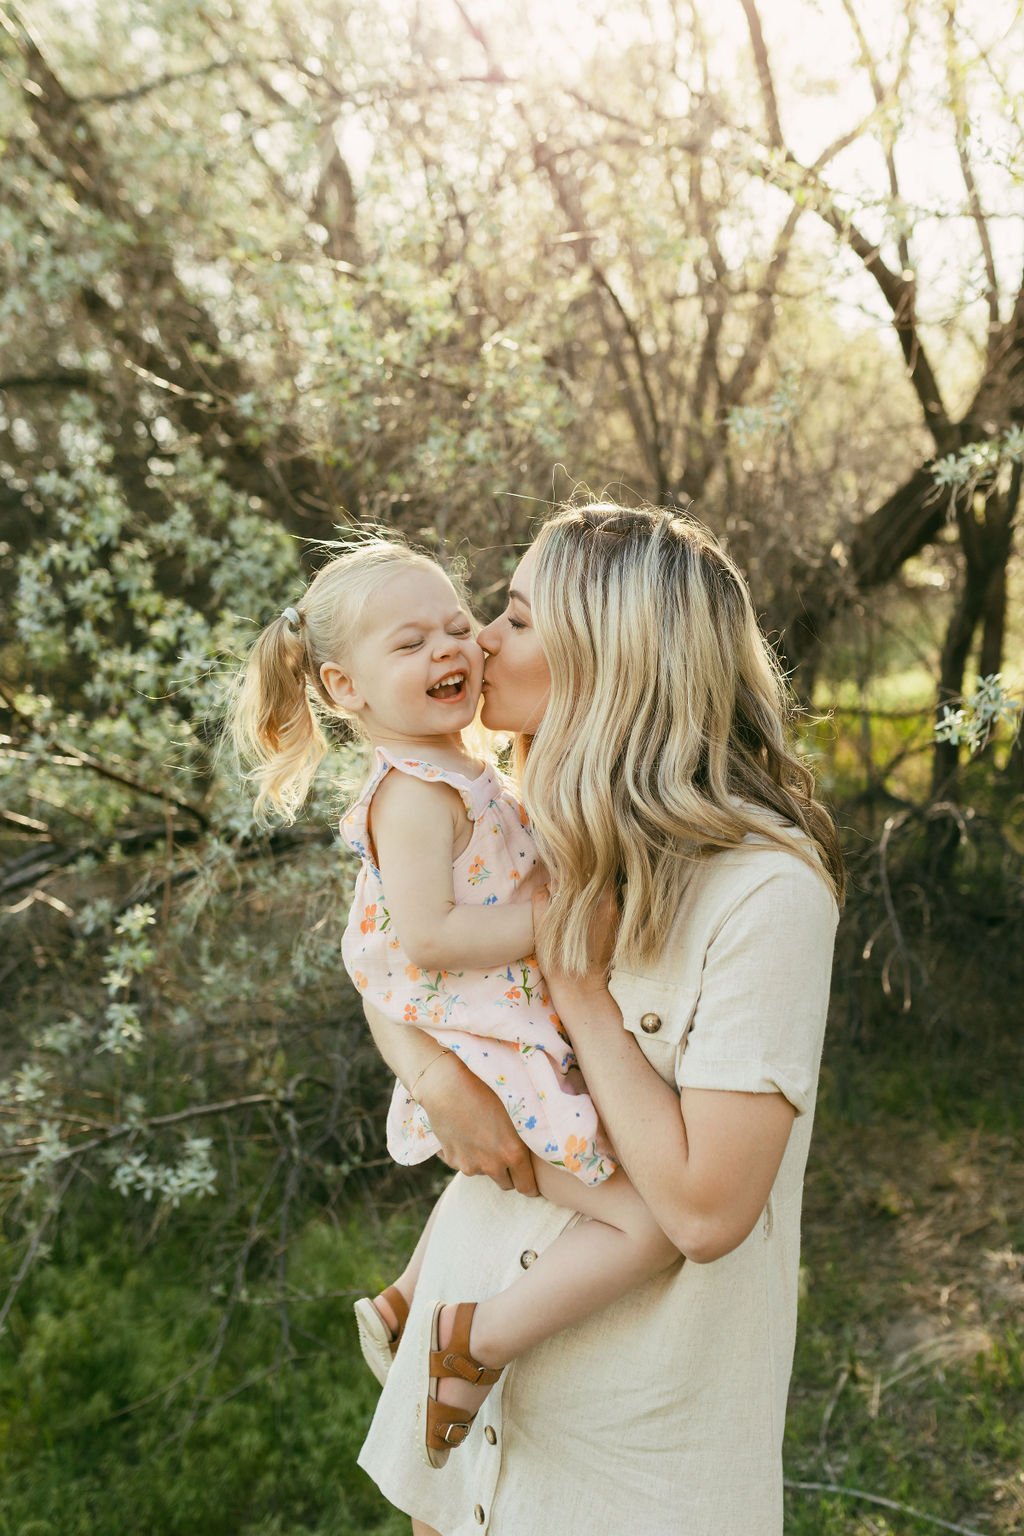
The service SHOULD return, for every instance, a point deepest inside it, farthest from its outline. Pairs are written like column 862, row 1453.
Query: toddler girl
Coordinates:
column 440, row 936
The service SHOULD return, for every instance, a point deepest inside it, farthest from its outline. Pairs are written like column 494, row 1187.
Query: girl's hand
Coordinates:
column 474, row 1130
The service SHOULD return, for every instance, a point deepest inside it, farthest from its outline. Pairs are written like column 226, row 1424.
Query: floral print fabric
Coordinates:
column 500, row 1023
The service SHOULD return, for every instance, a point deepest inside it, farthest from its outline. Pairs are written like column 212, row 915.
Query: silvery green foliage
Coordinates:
column 39, row 1103
column 979, row 461
column 193, row 1175
column 98, row 597
column 980, row 715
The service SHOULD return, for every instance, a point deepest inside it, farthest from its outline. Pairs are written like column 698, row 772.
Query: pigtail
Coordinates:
column 273, row 724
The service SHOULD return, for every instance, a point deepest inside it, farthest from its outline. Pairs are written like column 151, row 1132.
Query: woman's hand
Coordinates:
column 474, row 1130
column 604, row 927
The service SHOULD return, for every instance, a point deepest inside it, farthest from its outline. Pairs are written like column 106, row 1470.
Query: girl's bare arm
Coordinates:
column 414, row 827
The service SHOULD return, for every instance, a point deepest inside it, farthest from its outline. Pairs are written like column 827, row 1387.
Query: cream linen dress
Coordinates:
column 663, row 1414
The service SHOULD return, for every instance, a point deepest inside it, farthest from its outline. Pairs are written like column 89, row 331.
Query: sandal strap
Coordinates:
column 444, row 1363
column 399, row 1306
column 447, row 1426
column 458, row 1359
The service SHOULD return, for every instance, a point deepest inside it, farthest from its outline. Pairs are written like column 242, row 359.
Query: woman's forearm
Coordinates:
column 704, row 1162
column 639, row 1110
column 407, row 1050
column 471, row 1124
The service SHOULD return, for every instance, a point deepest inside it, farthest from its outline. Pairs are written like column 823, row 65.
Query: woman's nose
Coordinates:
column 487, row 639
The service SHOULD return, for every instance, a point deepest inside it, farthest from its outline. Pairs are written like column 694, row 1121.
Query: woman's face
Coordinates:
column 516, row 676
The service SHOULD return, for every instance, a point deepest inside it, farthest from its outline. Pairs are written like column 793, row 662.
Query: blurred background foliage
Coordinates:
column 271, row 269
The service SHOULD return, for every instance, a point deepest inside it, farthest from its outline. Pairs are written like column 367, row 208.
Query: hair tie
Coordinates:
column 294, row 619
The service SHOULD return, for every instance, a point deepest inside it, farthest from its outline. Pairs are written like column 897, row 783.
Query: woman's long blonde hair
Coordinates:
column 275, row 715
column 664, row 736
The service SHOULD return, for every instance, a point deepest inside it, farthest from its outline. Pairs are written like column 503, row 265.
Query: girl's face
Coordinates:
column 414, row 669
column 516, row 676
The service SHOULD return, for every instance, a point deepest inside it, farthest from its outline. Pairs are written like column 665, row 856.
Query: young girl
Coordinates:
column 440, row 935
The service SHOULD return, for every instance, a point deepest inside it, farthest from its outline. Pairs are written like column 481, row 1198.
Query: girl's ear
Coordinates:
column 341, row 688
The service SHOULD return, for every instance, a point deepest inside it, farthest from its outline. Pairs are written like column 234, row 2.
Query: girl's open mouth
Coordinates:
column 449, row 689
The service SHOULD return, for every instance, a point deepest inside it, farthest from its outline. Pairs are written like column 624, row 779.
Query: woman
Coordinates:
column 650, row 718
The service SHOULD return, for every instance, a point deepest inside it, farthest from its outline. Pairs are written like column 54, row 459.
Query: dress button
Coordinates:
column 478, row 1514
column 490, row 1436
column 650, row 1023
column 527, row 1257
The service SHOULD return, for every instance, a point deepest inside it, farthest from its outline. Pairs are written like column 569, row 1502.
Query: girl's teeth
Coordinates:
column 448, row 686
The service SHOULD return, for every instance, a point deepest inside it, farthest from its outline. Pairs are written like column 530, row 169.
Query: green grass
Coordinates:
column 909, row 1379
column 909, row 1376
column 110, row 1426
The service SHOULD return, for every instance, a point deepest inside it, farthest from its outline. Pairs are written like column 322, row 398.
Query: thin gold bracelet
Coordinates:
column 444, row 1051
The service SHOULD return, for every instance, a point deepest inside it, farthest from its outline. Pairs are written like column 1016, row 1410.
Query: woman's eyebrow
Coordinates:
column 518, row 597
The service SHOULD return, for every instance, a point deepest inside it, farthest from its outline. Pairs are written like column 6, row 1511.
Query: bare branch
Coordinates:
column 881, row 95
column 898, row 289
column 764, row 75
column 153, row 1122
column 68, row 755
column 642, row 408
column 65, row 378
column 25, row 823
column 158, row 83
column 958, row 107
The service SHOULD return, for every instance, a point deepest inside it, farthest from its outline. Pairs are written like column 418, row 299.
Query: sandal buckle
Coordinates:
column 447, row 1433
column 469, row 1371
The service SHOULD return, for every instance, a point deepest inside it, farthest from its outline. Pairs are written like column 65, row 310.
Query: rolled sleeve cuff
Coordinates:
column 745, row 1077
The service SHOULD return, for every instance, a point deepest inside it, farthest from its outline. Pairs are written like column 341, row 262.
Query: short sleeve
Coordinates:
column 759, row 1023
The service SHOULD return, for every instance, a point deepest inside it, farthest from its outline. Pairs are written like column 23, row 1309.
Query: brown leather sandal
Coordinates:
column 376, row 1340
column 445, row 1426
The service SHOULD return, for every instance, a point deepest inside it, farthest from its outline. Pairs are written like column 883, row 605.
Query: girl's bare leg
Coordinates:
column 419, row 1529
column 406, row 1281
column 586, row 1267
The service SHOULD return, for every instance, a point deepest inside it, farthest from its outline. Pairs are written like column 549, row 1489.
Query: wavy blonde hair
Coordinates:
column 665, row 733
column 275, row 718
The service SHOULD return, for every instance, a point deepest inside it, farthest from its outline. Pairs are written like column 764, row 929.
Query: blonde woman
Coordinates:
column 651, row 724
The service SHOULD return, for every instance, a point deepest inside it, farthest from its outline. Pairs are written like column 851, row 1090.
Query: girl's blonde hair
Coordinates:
column 664, row 737
column 275, row 716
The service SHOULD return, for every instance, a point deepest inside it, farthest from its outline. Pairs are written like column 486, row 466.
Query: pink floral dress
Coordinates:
column 500, row 1023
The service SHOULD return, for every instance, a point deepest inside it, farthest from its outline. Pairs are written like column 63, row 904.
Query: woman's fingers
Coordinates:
column 522, row 1175
column 474, row 1130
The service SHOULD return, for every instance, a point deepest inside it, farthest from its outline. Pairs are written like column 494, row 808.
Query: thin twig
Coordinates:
column 118, row 1132
column 883, row 1503
column 34, row 1245
column 826, row 1418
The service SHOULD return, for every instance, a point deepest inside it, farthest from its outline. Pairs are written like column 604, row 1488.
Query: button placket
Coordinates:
column 487, row 1468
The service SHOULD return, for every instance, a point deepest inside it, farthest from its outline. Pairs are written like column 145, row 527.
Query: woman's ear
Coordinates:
column 341, row 689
